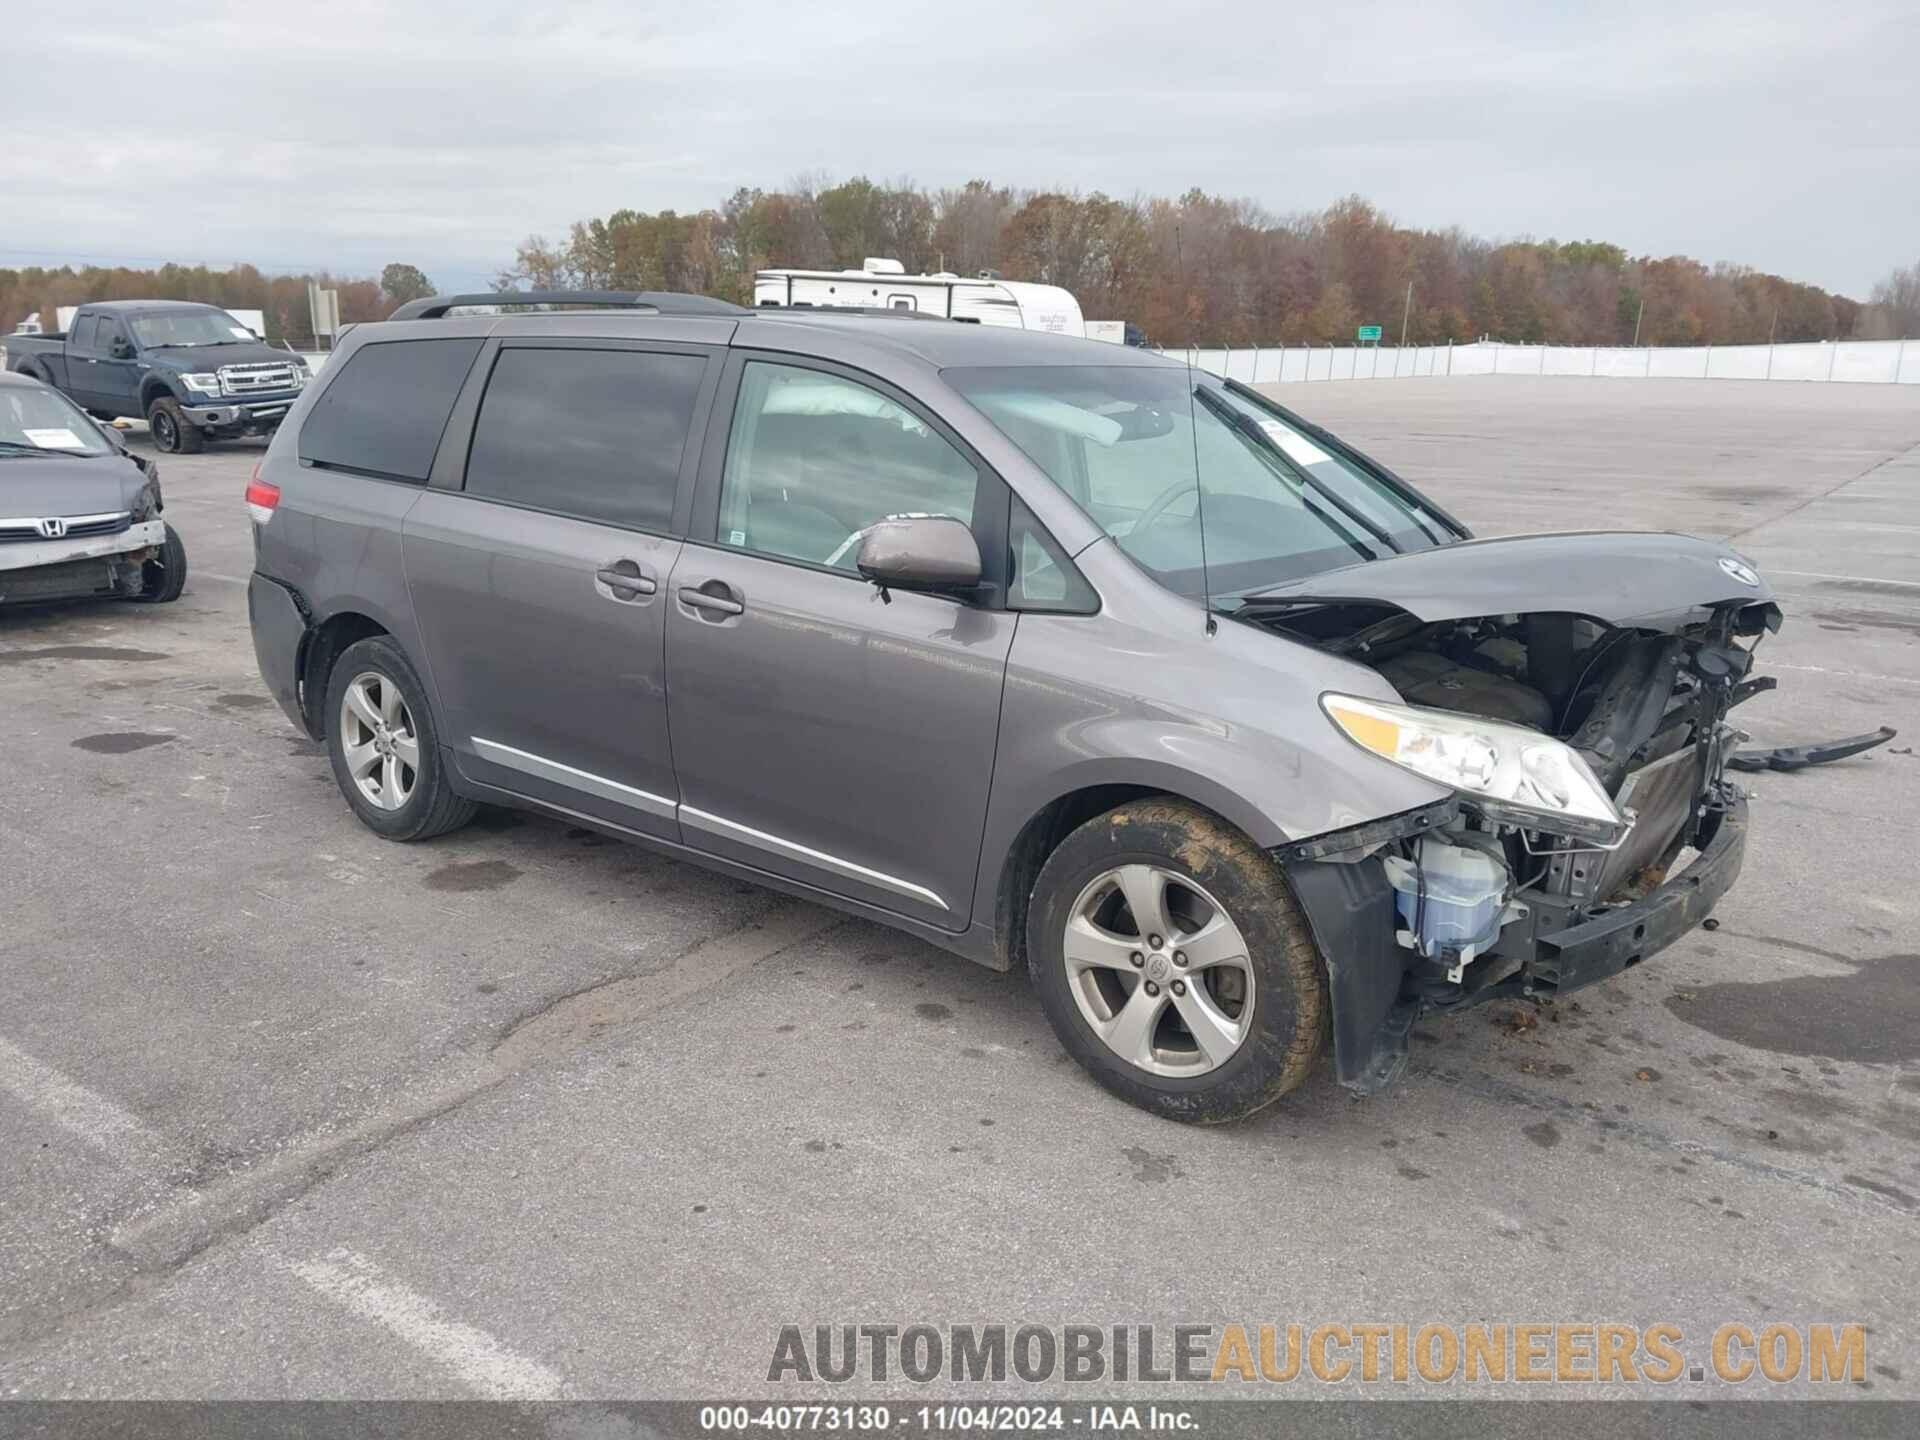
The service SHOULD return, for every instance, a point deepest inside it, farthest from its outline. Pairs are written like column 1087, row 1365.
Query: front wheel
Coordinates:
column 1174, row 964
column 385, row 747
column 173, row 433
column 162, row 579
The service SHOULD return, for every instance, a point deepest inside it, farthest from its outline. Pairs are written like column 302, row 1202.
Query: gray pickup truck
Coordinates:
column 193, row 372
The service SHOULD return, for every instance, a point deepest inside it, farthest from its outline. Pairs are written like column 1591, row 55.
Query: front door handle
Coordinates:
column 623, row 577
column 695, row 599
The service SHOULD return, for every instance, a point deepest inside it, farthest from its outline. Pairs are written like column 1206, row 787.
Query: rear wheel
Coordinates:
column 385, row 747
column 173, row 433
column 1174, row 965
column 163, row 579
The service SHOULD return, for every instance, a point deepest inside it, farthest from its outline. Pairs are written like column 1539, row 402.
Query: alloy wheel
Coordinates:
column 1159, row 970
column 378, row 740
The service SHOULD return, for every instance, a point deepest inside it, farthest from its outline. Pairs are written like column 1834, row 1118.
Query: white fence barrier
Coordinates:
column 1852, row 361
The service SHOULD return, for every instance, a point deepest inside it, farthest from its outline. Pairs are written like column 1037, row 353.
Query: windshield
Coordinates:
column 190, row 328
column 1207, row 489
column 33, row 418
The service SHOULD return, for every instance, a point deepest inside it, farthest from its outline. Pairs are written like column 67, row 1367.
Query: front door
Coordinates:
column 541, row 586
column 822, row 731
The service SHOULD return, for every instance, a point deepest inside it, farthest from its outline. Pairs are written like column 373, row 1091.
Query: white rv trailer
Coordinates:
column 884, row 284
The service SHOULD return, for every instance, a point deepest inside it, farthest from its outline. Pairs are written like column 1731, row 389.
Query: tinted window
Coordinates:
column 593, row 433
column 82, row 336
column 108, row 332
column 385, row 410
column 814, row 460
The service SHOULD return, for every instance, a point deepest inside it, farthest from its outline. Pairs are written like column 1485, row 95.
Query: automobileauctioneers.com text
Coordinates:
column 1601, row 1352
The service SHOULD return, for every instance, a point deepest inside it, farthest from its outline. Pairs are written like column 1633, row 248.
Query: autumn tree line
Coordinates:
column 1199, row 269
column 1207, row 270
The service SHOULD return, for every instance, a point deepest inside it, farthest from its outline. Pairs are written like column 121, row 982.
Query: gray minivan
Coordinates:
column 1053, row 653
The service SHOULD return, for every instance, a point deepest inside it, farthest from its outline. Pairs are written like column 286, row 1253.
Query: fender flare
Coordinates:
column 156, row 387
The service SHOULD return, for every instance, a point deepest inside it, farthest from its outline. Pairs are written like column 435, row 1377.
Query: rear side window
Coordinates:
column 82, row 336
column 596, row 434
column 383, row 413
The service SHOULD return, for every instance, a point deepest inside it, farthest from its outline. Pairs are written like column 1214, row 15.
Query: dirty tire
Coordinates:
column 1291, row 1012
column 433, row 808
column 162, row 580
column 173, row 433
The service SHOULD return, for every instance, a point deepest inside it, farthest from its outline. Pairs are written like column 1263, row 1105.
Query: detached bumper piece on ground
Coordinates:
column 1799, row 757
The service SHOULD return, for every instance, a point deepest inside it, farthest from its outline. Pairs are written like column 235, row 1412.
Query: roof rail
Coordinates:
column 659, row 302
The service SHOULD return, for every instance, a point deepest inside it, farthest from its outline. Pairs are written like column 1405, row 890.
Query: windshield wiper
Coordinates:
column 1411, row 498
column 1249, row 429
column 21, row 447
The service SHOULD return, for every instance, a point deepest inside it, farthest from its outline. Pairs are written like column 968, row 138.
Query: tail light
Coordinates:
column 263, row 497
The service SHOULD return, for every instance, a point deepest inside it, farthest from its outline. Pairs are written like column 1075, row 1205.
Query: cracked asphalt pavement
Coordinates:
column 289, row 1111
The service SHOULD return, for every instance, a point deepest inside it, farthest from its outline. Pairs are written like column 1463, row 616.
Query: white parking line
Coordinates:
column 69, row 1104
column 480, row 1361
column 1856, row 579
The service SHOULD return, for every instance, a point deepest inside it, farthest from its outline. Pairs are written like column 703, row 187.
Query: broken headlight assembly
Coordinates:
column 1512, row 775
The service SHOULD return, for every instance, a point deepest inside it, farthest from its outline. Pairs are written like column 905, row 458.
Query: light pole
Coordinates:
column 1405, row 315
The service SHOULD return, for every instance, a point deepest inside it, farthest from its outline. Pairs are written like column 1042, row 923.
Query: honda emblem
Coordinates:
column 52, row 529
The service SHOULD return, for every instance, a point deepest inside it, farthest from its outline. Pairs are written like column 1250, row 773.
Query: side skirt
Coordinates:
column 975, row 943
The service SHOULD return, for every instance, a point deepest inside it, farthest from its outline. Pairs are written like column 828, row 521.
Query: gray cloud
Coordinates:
column 347, row 135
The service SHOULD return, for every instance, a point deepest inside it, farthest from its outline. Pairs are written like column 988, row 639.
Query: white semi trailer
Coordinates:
column 884, row 284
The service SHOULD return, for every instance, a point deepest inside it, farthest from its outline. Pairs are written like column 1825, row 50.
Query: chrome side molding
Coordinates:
column 646, row 801
column 544, row 769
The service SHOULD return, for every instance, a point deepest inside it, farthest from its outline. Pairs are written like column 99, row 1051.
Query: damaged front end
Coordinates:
column 1592, row 821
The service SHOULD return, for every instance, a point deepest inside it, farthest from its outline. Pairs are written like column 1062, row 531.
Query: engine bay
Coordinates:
column 1644, row 709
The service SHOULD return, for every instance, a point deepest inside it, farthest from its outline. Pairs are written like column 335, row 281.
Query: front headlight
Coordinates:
column 1518, row 775
column 202, row 384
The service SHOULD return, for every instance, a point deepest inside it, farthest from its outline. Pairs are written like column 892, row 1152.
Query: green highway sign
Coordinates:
column 1368, row 332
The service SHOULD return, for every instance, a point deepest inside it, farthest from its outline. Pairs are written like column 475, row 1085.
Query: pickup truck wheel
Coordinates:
column 173, row 433
column 385, row 746
column 1174, row 965
column 164, row 579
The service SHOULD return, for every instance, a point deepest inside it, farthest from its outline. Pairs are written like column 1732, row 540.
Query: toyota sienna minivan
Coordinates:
column 1056, row 654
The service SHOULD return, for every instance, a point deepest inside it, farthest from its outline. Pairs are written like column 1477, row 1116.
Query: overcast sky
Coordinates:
column 1786, row 137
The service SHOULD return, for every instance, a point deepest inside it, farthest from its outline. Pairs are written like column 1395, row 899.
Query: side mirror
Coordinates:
column 932, row 553
column 120, row 348
column 114, row 437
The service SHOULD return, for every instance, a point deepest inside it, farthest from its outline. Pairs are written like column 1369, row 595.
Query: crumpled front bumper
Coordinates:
column 101, row 566
column 32, row 554
column 1350, row 909
column 1591, row 951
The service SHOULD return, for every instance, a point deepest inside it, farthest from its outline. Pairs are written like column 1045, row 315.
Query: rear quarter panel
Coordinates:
column 335, row 538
